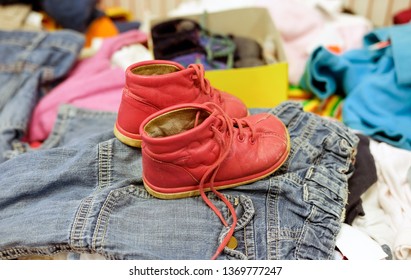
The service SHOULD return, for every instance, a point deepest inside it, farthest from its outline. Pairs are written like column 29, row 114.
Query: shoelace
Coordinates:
column 204, row 83
column 240, row 124
column 217, row 45
column 226, row 127
column 220, row 46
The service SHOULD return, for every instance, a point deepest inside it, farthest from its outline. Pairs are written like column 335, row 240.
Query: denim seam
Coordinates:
column 309, row 128
column 18, row 148
column 104, row 164
column 84, row 209
column 15, row 252
column 248, row 212
column 249, row 241
column 245, row 236
column 65, row 44
column 17, row 126
column 65, row 113
column 26, row 67
column 34, row 44
column 272, row 221
column 304, row 229
column 307, row 223
column 80, row 222
column 235, row 254
column 105, row 153
column 311, row 171
column 241, row 223
column 103, row 221
column 48, row 74
column 246, row 223
column 10, row 91
column 59, row 127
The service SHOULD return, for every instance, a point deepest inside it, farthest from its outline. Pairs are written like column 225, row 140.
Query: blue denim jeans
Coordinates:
column 83, row 192
column 30, row 64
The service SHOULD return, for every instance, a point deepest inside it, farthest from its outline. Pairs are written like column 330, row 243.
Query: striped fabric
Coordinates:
column 330, row 107
column 380, row 12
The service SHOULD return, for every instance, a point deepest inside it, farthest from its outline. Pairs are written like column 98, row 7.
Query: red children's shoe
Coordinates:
column 189, row 149
column 157, row 84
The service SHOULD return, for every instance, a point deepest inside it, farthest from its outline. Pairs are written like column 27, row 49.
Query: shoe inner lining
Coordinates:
column 155, row 69
column 175, row 122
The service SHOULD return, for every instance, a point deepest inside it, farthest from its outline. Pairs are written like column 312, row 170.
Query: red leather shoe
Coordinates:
column 189, row 149
column 157, row 84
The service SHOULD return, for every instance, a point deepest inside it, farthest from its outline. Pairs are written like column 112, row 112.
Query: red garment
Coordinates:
column 402, row 17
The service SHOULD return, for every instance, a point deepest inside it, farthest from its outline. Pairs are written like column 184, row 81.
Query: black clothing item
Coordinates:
column 365, row 175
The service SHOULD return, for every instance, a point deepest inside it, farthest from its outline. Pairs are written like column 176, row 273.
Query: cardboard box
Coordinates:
column 259, row 87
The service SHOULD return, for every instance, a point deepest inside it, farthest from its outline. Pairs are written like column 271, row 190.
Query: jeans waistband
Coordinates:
column 65, row 40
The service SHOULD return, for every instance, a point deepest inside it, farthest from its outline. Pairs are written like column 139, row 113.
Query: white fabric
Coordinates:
column 387, row 204
column 356, row 245
column 132, row 53
column 376, row 223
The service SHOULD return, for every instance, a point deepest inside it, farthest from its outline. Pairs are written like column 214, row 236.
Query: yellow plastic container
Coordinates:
column 258, row 87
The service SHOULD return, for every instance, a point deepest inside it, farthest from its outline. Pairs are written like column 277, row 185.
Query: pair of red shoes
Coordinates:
column 195, row 138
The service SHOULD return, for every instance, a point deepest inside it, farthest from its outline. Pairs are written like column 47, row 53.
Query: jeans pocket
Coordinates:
column 244, row 233
column 132, row 224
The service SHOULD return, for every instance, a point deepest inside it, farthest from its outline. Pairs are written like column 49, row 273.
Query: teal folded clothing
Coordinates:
column 375, row 81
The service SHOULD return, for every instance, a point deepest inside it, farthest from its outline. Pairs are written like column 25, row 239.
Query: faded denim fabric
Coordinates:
column 31, row 63
column 82, row 191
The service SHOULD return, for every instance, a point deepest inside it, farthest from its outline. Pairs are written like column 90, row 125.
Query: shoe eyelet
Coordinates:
column 211, row 127
column 240, row 138
column 252, row 141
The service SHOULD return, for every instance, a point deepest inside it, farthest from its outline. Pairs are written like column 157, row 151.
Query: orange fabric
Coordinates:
column 49, row 23
column 102, row 27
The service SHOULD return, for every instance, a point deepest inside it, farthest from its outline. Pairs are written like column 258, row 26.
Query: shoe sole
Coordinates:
column 192, row 193
column 129, row 141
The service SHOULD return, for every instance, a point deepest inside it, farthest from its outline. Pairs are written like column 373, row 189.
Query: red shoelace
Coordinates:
column 204, row 83
column 226, row 128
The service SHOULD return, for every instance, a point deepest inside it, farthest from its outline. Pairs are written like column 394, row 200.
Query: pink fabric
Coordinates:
column 94, row 83
column 303, row 27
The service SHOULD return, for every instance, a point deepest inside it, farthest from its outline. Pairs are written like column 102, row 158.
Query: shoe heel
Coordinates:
column 133, row 142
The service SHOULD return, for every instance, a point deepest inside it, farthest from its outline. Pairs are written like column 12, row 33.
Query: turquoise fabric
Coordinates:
column 375, row 81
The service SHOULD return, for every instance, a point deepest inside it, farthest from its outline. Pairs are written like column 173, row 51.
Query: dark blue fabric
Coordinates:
column 72, row 14
column 124, row 26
